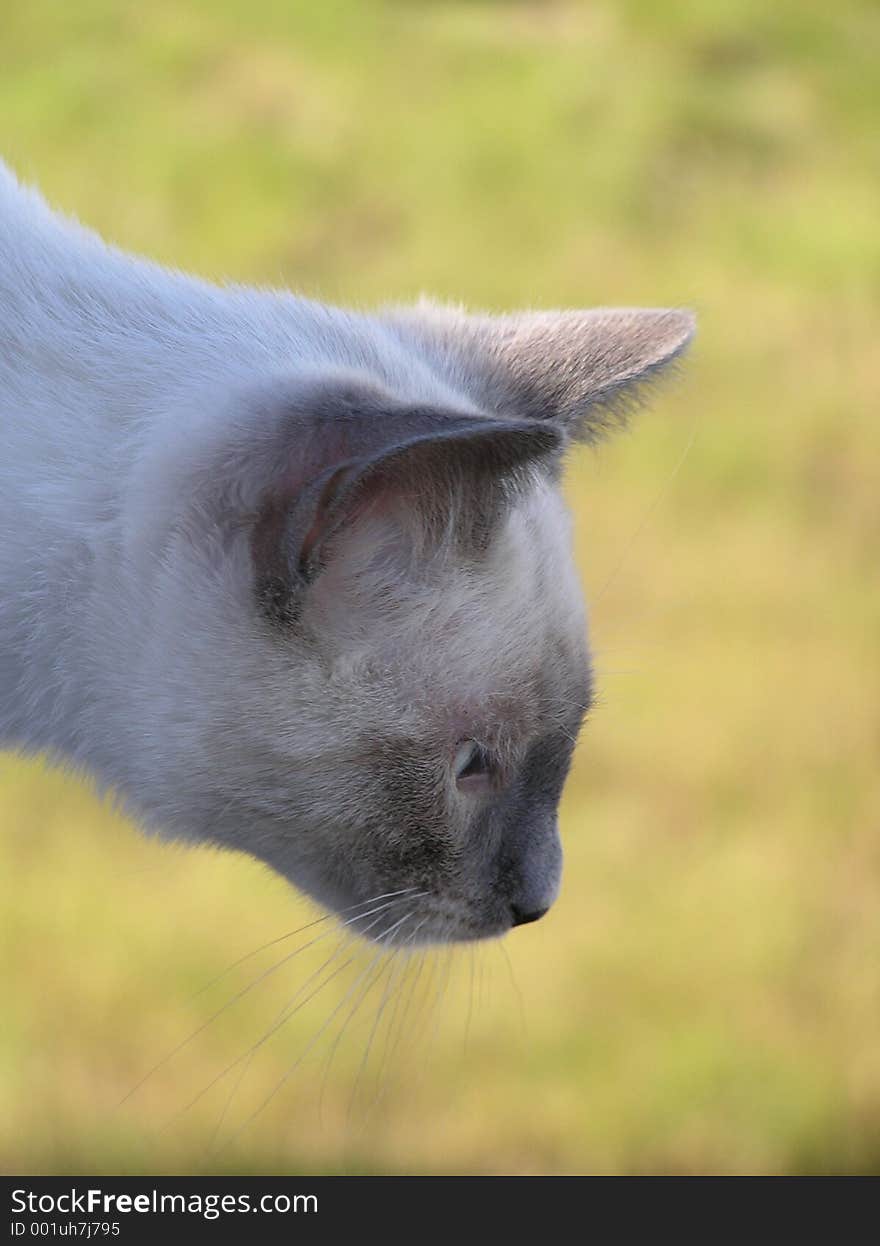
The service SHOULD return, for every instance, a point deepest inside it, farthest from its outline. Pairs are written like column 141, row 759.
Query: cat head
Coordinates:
column 368, row 661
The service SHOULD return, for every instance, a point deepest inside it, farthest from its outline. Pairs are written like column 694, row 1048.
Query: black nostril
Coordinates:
column 522, row 919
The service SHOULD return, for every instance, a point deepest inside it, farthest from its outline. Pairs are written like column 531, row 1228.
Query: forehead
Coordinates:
column 507, row 640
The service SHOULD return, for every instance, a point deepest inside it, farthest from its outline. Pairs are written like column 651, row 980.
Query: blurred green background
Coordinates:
column 706, row 994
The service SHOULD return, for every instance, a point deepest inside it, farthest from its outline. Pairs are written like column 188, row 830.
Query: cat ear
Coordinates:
column 436, row 475
column 582, row 370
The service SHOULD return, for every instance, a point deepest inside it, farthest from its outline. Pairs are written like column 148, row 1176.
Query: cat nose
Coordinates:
column 522, row 919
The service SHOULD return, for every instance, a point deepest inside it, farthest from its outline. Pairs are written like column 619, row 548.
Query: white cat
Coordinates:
column 296, row 580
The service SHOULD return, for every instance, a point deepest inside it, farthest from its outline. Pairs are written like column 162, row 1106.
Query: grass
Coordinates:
column 706, row 995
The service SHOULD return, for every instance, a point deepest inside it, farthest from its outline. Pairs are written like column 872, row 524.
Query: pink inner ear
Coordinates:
column 368, row 557
column 316, row 530
column 375, row 496
column 267, row 544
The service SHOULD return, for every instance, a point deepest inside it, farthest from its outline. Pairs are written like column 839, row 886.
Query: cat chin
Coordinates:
column 442, row 928
column 407, row 917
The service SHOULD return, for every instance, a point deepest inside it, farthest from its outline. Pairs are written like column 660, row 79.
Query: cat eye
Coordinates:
column 473, row 768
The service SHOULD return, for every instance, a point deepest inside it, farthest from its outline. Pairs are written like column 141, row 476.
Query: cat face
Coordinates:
column 445, row 692
column 374, row 624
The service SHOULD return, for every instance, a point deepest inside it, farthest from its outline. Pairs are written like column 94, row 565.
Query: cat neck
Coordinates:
column 99, row 354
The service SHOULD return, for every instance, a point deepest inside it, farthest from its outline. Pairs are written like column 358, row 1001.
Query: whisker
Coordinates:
column 441, row 996
column 490, row 978
column 290, row 1071
column 382, row 1004
column 516, row 990
column 374, row 981
column 284, row 1016
column 481, row 977
column 330, row 1057
column 409, row 996
column 287, row 1011
column 406, row 959
column 279, row 1021
column 402, row 953
column 267, row 973
column 431, row 961
column 293, row 933
column 399, row 994
column 432, row 1015
column 215, row 1133
column 384, row 936
column 470, row 1007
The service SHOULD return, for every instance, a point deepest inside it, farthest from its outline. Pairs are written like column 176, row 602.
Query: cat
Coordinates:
column 297, row 581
